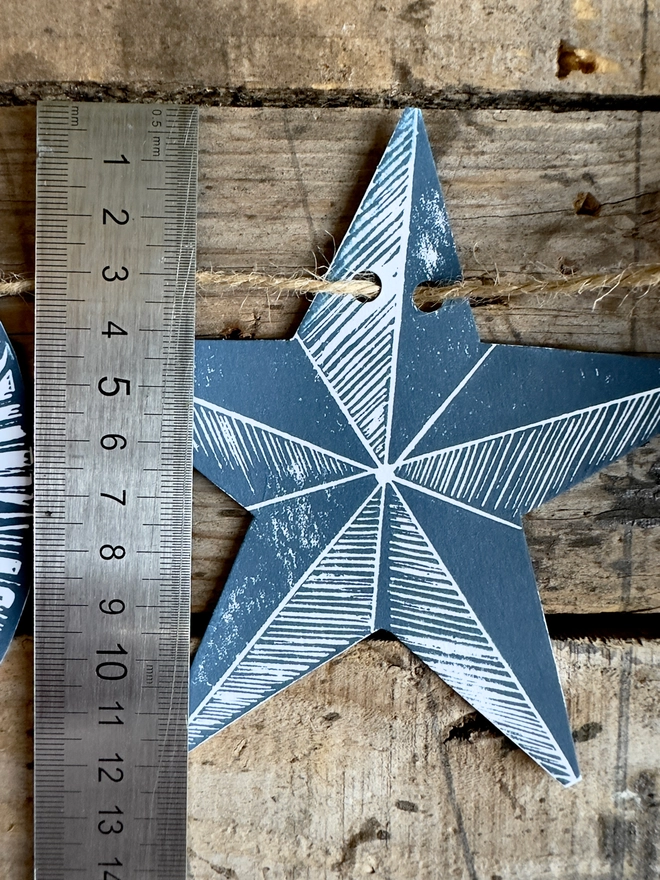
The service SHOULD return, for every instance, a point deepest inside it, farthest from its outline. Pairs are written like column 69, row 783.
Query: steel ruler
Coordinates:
column 116, row 213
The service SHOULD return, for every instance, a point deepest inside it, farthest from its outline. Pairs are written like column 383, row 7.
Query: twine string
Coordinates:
column 632, row 278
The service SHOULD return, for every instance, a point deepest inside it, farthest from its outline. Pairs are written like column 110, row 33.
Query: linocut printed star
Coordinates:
column 387, row 457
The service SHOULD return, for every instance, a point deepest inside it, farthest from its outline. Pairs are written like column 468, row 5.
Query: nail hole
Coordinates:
column 570, row 59
column 587, row 203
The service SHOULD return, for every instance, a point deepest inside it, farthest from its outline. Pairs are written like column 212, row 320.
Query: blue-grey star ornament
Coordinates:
column 387, row 457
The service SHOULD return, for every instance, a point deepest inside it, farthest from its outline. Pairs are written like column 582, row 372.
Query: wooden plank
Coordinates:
column 17, row 188
column 510, row 180
column 372, row 765
column 399, row 47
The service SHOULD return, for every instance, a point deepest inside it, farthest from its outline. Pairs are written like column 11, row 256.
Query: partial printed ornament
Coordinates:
column 387, row 457
column 15, row 494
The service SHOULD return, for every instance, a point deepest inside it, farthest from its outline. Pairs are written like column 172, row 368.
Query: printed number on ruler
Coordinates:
column 112, row 670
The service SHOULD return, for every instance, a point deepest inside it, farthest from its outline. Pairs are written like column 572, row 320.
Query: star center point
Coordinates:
column 384, row 473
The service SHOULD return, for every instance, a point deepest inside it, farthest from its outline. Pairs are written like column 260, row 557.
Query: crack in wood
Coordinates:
column 467, row 98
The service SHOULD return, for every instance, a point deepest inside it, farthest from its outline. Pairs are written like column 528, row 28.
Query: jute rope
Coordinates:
column 637, row 278
column 632, row 278
column 15, row 286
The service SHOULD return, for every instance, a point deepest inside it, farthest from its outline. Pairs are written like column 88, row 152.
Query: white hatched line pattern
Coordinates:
column 353, row 348
column 329, row 609
column 16, row 495
column 237, row 443
column 430, row 614
column 353, row 345
column 456, row 503
column 380, row 229
column 515, row 471
column 354, row 356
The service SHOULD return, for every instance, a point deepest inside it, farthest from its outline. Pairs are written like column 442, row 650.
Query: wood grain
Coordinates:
column 510, row 180
column 16, row 765
column 371, row 765
column 394, row 47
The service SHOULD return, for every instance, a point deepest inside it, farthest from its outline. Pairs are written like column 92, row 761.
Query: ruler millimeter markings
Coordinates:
column 114, row 347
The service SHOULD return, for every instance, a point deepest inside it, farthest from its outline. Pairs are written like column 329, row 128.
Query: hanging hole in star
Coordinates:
column 425, row 298
column 370, row 278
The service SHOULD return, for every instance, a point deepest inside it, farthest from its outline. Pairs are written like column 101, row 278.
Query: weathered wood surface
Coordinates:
column 429, row 792
column 398, row 46
column 510, row 179
column 373, row 766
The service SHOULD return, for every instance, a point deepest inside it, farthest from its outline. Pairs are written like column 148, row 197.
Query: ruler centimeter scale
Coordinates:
column 114, row 347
